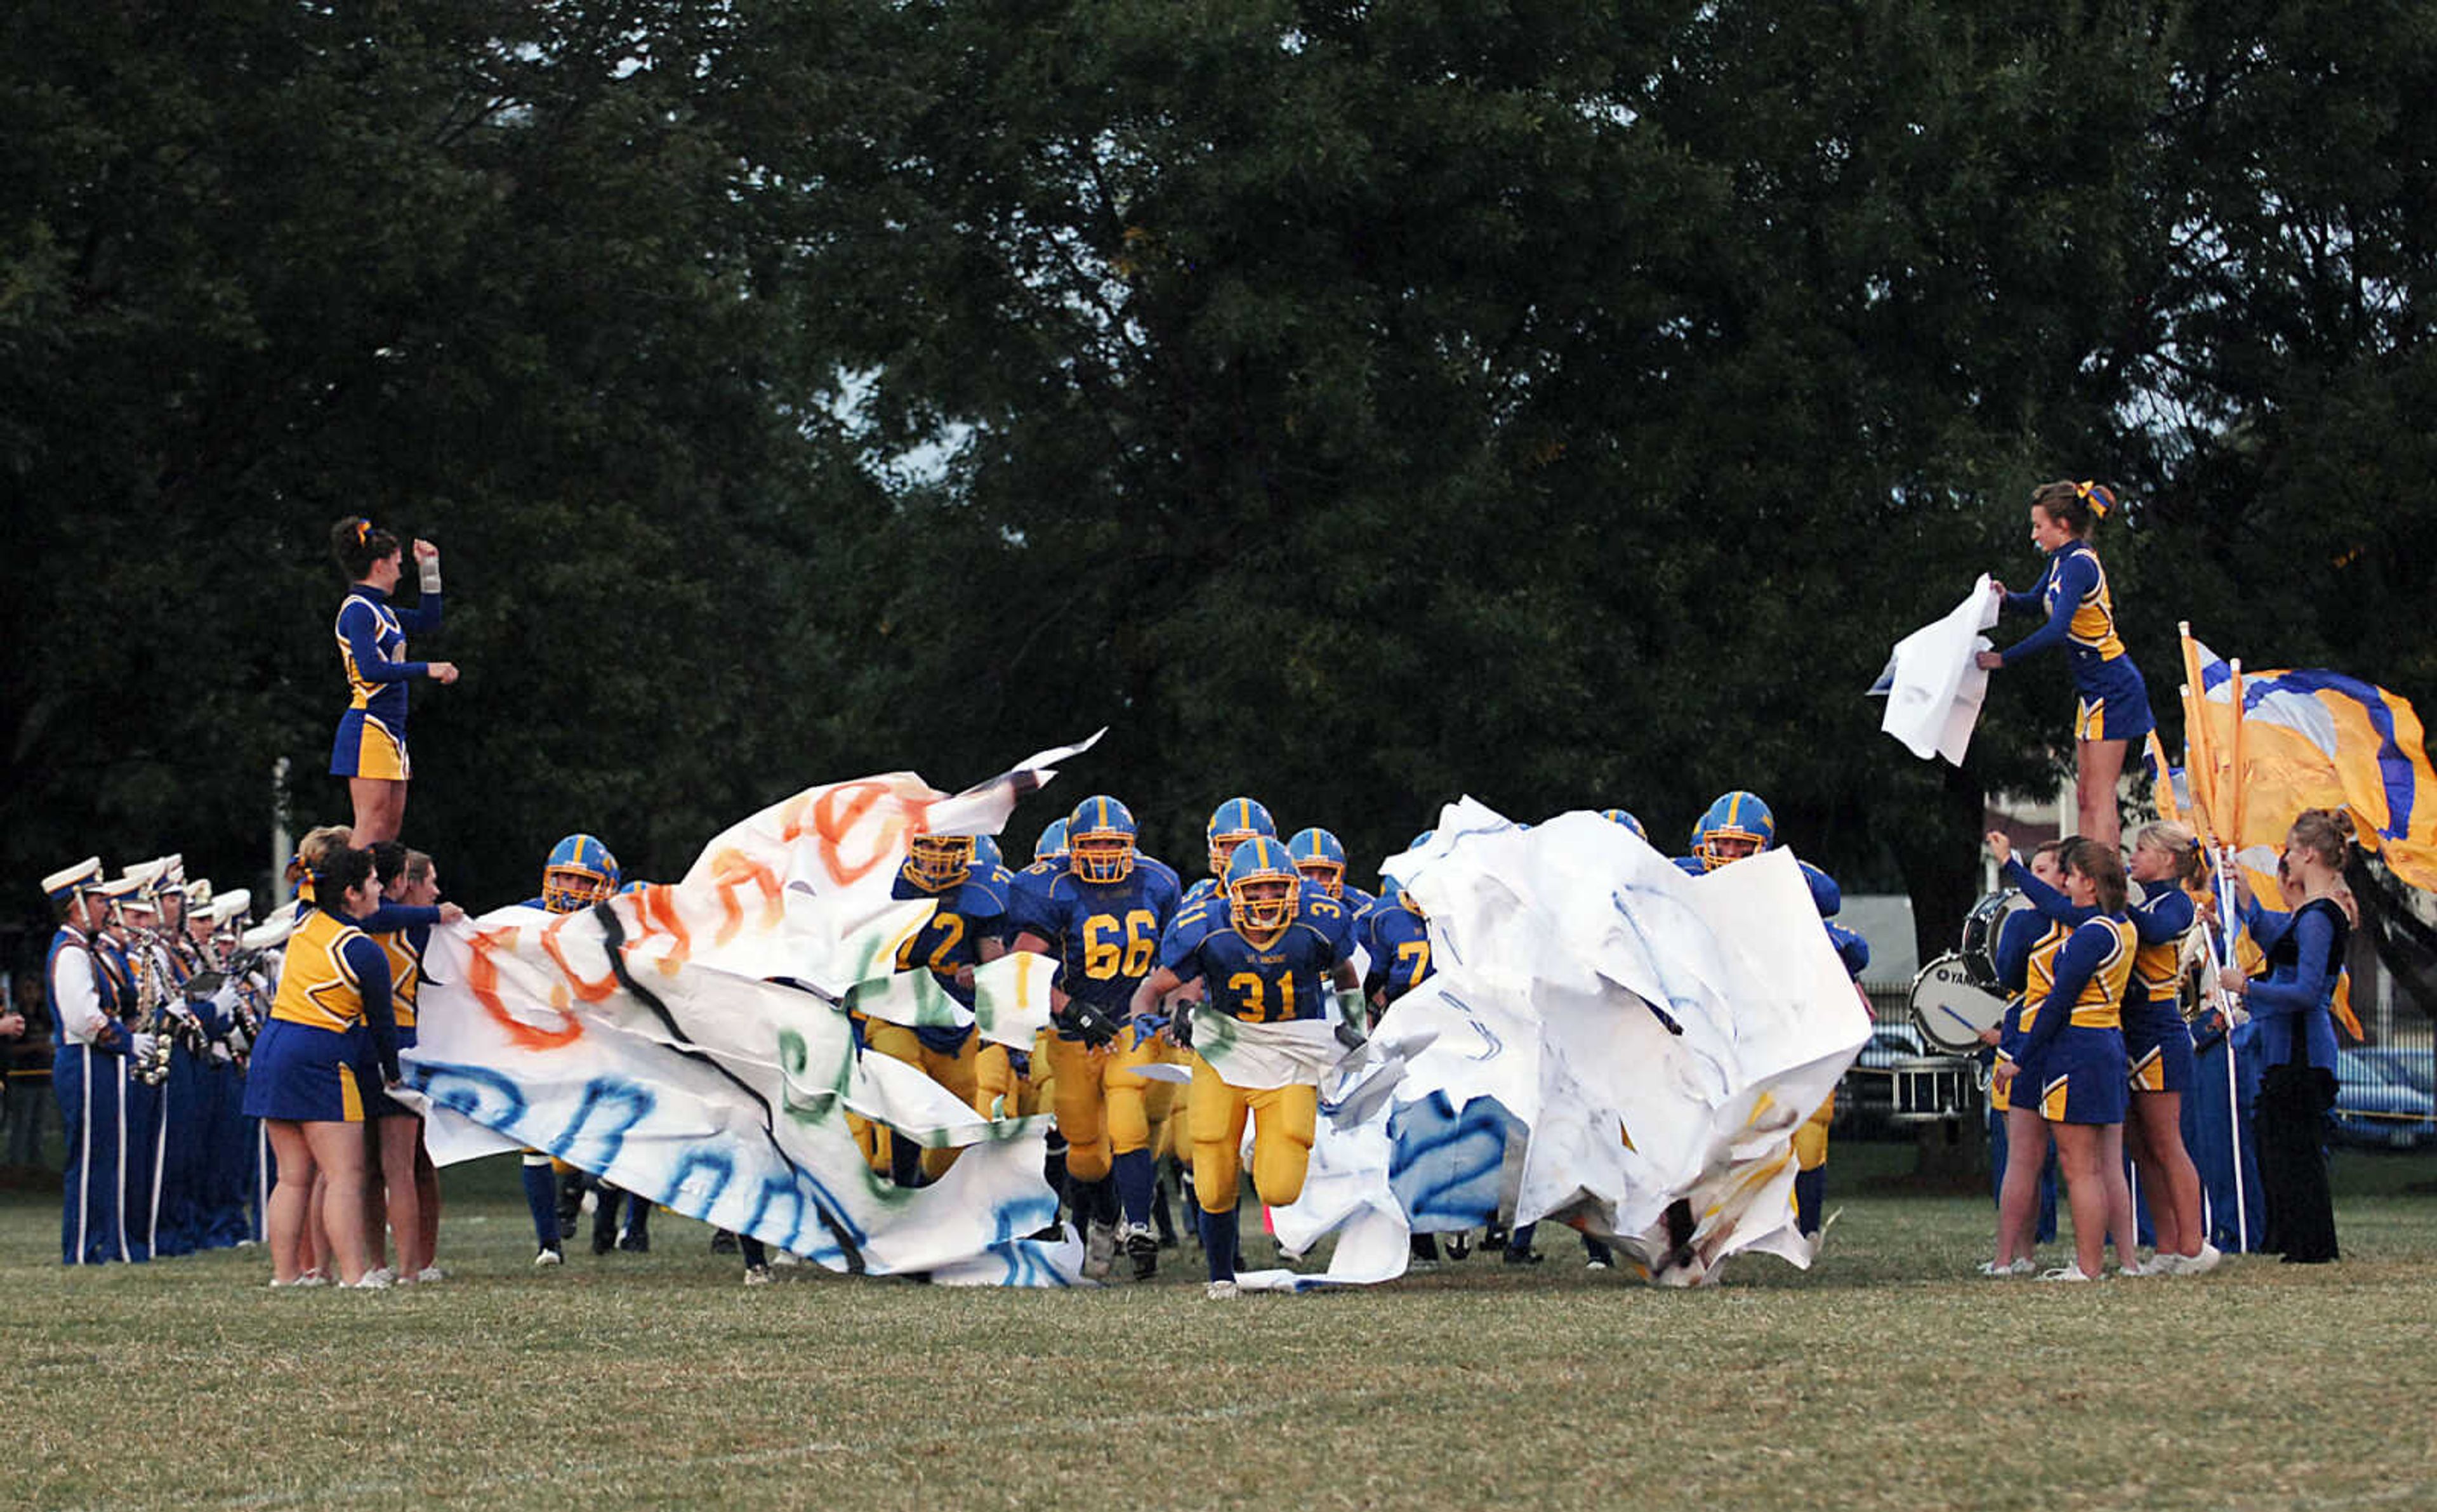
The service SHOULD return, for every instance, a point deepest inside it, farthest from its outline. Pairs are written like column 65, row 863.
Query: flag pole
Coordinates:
column 2234, row 690
column 2201, row 769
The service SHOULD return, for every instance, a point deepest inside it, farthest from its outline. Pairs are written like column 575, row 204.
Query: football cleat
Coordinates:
column 1099, row 1249
column 1142, row 1247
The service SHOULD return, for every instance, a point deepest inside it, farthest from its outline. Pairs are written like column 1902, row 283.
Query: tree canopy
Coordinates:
column 1353, row 406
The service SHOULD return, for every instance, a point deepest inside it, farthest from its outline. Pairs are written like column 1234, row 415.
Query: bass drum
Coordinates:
column 1952, row 1004
column 1979, row 946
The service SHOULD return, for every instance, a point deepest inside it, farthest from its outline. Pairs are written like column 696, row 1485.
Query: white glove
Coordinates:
column 427, row 566
column 144, row 1045
column 222, row 1055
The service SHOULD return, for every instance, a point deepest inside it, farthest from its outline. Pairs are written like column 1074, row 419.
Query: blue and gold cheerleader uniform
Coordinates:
column 331, row 1030
column 404, row 949
column 371, row 740
column 2072, row 1048
column 2114, row 701
column 2157, row 1042
column 2026, row 953
column 1268, row 1021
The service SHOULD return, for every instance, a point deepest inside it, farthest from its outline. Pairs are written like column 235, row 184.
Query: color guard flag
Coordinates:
column 2320, row 739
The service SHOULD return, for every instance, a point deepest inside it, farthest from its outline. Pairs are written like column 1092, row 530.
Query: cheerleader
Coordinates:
column 397, row 1189
column 2158, row 1045
column 2027, row 943
column 331, row 1033
column 2114, row 710
column 2070, row 1062
column 2296, row 1037
column 370, row 747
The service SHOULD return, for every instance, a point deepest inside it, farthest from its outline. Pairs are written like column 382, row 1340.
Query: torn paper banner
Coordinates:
column 1932, row 683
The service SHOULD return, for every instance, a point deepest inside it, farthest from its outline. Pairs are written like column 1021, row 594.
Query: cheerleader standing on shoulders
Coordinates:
column 2296, row 1037
column 2070, row 1064
column 331, row 1032
column 370, row 747
column 2113, row 708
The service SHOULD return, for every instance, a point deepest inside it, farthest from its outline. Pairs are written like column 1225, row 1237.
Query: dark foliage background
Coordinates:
column 1355, row 406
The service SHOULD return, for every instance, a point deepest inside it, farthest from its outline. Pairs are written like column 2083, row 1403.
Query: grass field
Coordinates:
column 1887, row 1376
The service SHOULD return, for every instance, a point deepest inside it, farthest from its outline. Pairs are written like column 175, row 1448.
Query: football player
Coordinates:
column 1269, row 952
column 1102, row 921
column 965, row 930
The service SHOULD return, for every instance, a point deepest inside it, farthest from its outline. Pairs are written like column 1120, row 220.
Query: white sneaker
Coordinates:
column 2067, row 1273
column 1997, row 1272
column 311, row 1279
column 431, row 1274
column 757, row 1276
column 374, row 1282
column 386, row 1276
column 2025, row 1265
column 243, row 1244
column 553, row 1256
column 1220, row 1292
column 1595, row 1265
column 1099, row 1249
column 2200, row 1264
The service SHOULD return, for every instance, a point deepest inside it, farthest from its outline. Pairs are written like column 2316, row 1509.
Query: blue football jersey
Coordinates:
column 1106, row 935
column 1399, row 942
column 972, row 911
column 1282, row 980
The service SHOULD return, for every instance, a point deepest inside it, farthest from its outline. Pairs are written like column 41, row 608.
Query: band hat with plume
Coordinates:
column 234, row 904
column 198, row 895
column 83, row 874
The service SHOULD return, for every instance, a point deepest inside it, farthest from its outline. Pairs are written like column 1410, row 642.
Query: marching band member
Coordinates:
column 2296, row 1036
column 135, row 993
column 2114, row 711
column 214, row 920
column 370, row 747
column 2071, row 1058
column 88, row 1072
column 330, row 1033
column 2018, row 1141
column 1268, row 953
column 1102, row 921
column 174, row 1082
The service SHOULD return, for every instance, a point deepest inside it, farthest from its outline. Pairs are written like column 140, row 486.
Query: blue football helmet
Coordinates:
column 1618, row 816
column 987, row 852
column 1101, row 840
column 1737, row 825
column 1321, row 859
column 1262, row 885
column 1233, row 822
column 1051, row 846
column 938, row 863
column 580, row 872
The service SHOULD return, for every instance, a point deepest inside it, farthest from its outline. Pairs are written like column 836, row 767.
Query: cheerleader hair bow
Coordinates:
column 2100, row 498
